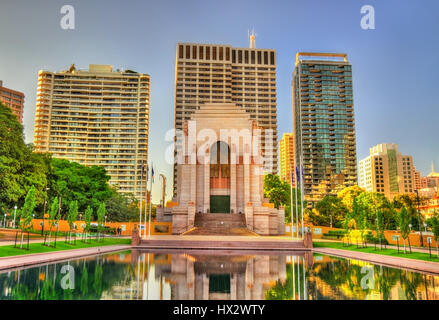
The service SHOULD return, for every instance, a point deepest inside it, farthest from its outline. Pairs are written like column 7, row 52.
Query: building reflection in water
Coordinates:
column 196, row 276
column 200, row 275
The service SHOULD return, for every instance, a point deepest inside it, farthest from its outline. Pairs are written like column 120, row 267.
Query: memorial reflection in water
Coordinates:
column 217, row 275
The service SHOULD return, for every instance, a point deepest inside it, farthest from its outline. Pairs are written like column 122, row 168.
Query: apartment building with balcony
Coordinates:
column 14, row 100
column 286, row 158
column 323, row 123
column 96, row 117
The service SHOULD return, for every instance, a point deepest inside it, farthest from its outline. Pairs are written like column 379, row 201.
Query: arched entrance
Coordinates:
column 220, row 178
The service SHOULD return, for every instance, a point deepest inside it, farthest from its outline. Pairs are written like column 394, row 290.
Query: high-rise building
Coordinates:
column 96, row 117
column 323, row 123
column 286, row 157
column 206, row 73
column 431, row 180
column 387, row 171
column 14, row 100
column 417, row 177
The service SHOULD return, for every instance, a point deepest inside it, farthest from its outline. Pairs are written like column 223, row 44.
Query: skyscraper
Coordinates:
column 323, row 123
column 206, row 73
column 96, row 117
column 14, row 100
column 387, row 171
column 286, row 157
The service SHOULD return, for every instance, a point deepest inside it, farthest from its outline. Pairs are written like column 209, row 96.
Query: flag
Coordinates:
column 152, row 174
column 147, row 172
column 292, row 177
column 303, row 173
column 297, row 175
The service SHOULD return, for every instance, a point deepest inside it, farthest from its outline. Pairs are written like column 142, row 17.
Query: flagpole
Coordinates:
column 291, row 203
column 301, row 193
column 140, row 204
column 297, row 204
column 146, row 196
column 293, row 264
column 150, row 200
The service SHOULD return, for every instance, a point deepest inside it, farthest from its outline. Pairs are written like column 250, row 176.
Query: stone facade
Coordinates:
column 220, row 167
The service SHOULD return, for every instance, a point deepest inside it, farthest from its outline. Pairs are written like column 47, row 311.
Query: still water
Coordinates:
column 137, row 275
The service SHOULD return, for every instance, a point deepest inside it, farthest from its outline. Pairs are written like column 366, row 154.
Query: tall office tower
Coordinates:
column 323, row 123
column 387, row 171
column 207, row 73
column 96, row 117
column 14, row 100
column 286, row 157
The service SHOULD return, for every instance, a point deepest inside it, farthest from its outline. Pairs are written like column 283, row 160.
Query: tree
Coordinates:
column 73, row 181
column 433, row 223
column 26, row 213
column 276, row 190
column 403, row 219
column 20, row 168
column 347, row 196
column 329, row 211
column 72, row 216
column 380, row 225
column 279, row 193
column 87, row 218
column 101, row 217
column 122, row 207
column 54, row 209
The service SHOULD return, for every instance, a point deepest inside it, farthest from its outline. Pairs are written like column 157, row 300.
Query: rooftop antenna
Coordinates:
column 252, row 38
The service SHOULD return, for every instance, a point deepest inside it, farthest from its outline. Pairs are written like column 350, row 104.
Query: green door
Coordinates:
column 219, row 283
column 219, row 204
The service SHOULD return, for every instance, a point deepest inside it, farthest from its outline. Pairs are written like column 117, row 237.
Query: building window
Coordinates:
column 214, row 53
column 194, row 52
column 253, row 57
column 272, row 58
column 188, row 52
column 180, row 52
column 233, row 56
column 265, row 57
column 221, row 57
column 200, row 52
column 259, row 57
column 246, row 56
column 207, row 53
column 227, row 54
column 240, row 56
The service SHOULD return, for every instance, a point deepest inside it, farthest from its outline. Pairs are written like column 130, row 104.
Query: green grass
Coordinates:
column 6, row 251
column 387, row 252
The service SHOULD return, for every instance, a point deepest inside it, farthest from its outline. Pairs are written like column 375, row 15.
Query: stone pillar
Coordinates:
column 191, row 215
column 135, row 238
column 246, row 185
column 249, row 215
column 206, row 188
column 193, row 183
column 233, row 185
column 307, row 241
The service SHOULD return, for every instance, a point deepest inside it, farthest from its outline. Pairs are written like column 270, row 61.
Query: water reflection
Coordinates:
column 199, row 275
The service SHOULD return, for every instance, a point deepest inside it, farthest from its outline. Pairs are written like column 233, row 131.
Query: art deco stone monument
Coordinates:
column 220, row 170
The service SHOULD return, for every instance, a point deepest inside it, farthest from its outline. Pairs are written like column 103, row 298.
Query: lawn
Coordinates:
column 6, row 251
column 387, row 252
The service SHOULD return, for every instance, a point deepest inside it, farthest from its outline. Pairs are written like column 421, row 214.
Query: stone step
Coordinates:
column 221, row 231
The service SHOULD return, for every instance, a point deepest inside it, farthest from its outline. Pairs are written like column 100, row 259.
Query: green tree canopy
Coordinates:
column 122, row 207
column 347, row 196
column 329, row 209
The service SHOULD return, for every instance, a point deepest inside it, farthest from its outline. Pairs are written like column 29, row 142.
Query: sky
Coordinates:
column 395, row 66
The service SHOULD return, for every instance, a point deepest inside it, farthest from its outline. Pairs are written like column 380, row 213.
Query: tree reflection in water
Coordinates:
column 186, row 276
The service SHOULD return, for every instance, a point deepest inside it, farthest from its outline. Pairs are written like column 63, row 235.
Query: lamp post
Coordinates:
column 419, row 220
column 4, row 221
column 15, row 211
column 425, row 226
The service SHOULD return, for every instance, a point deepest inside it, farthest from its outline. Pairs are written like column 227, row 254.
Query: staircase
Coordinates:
column 220, row 224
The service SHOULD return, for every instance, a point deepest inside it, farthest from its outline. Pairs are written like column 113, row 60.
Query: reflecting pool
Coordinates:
column 202, row 275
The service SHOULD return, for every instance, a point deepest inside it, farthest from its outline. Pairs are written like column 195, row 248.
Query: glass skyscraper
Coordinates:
column 323, row 123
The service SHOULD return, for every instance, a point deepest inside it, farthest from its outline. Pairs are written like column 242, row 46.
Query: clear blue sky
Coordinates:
column 395, row 66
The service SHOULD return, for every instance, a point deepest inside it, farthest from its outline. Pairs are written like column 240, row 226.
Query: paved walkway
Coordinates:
column 49, row 257
column 402, row 263
column 219, row 238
